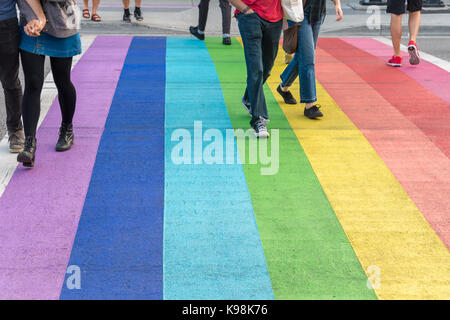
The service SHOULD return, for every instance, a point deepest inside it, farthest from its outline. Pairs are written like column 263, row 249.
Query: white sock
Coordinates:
column 226, row 35
column 201, row 32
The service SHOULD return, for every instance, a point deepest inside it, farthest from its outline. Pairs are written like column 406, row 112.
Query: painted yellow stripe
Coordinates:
column 385, row 228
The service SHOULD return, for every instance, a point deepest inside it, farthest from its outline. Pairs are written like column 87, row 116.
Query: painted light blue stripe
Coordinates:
column 212, row 248
column 118, row 245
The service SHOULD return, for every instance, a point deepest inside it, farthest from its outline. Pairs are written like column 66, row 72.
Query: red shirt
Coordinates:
column 269, row 10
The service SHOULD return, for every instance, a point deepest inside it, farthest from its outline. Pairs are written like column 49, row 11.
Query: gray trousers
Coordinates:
column 226, row 15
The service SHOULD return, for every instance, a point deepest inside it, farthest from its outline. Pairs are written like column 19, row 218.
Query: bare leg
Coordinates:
column 137, row 3
column 413, row 24
column 95, row 4
column 126, row 4
column 396, row 33
column 86, row 4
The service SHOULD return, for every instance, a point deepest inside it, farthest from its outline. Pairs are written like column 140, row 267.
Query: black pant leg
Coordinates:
column 203, row 8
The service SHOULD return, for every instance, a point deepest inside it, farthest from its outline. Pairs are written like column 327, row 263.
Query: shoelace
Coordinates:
column 260, row 126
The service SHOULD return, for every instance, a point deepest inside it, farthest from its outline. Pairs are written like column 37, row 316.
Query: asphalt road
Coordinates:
column 173, row 17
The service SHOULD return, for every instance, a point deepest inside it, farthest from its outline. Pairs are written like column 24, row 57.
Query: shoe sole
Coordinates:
column 413, row 56
column 12, row 150
column 262, row 135
column 199, row 38
column 394, row 64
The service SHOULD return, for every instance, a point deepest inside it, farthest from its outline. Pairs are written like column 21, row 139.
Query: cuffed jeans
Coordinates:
column 303, row 63
column 226, row 15
column 9, row 73
column 261, row 40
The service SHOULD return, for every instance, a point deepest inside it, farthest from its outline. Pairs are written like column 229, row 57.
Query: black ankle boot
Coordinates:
column 27, row 156
column 66, row 137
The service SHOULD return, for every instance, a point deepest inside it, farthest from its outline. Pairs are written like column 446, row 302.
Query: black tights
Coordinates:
column 33, row 68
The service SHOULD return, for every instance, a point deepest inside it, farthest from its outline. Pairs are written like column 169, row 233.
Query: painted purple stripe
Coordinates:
column 40, row 208
column 430, row 76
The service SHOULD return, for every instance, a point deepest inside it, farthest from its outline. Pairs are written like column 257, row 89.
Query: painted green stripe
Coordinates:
column 307, row 251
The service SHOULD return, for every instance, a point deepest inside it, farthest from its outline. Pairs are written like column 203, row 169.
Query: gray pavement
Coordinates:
column 173, row 18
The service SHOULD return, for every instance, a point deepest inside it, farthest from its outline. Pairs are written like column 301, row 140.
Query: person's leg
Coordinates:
column 396, row 33
column 270, row 44
column 225, row 7
column 33, row 69
column 61, row 68
column 86, row 4
column 250, row 27
column 414, row 25
column 67, row 97
column 203, row 9
column 126, row 4
column 9, row 74
column 95, row 5
column 126, row 11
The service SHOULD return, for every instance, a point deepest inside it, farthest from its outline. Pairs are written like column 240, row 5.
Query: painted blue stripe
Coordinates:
column 212, row 248
column 118, row 245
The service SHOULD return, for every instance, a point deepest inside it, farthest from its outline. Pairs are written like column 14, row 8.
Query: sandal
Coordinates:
column 96, row 18
column 86, row 14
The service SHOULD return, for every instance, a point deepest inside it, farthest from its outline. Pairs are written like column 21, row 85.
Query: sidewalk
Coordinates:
column 357, row 207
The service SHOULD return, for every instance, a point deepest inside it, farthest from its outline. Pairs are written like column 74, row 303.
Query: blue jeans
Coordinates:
column 261, row 40
column 303, row 63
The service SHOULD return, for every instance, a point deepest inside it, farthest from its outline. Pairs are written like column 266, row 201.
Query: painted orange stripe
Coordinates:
column 420, row 167
column 419, row 105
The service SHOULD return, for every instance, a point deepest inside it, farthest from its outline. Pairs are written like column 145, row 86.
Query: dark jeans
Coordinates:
column 261, row 40
column 226, row 15
column 9, row 72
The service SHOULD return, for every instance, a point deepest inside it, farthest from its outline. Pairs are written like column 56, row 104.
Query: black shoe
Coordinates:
column 259, row 125
column 27, row 156
column 194, row 31
column 287, row 96
column 138, row 14
column 246, row 105
column 226, row 41
column 313, row 112
column 66, row 137
column 126, row 17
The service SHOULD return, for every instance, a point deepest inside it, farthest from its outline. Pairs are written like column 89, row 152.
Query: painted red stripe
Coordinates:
column 419, row 105
column 420, row 167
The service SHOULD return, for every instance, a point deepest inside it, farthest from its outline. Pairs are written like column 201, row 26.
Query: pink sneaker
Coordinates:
column 395, row 61
column 413, row 53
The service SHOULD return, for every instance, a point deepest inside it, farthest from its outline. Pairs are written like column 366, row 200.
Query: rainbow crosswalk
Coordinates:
column 361, row 193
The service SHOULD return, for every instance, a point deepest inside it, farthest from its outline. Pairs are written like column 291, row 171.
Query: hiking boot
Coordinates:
column 287, row 96
column 16, row 141
column 27, row 156
column 259, row 125
column 194, row 32
column 313, row 112
column 66, row 137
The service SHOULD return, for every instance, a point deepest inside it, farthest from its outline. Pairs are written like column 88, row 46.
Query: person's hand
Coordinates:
column 34, row 27
column 339, row 13
column 249, row 12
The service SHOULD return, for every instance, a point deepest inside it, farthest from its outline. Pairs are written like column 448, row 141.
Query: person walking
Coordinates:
column 137, row 10
column 397, row 8
column 87, row 15
column 61, row 46
column 199, row 30
column 303, row 63
column 260, row 24
column 9, row 73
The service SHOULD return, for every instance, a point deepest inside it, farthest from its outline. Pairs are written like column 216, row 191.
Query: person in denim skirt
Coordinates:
column 260, row 24
column 34, row 46
column 303, row 63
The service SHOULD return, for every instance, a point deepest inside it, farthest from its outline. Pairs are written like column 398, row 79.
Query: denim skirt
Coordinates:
column 48, row 45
